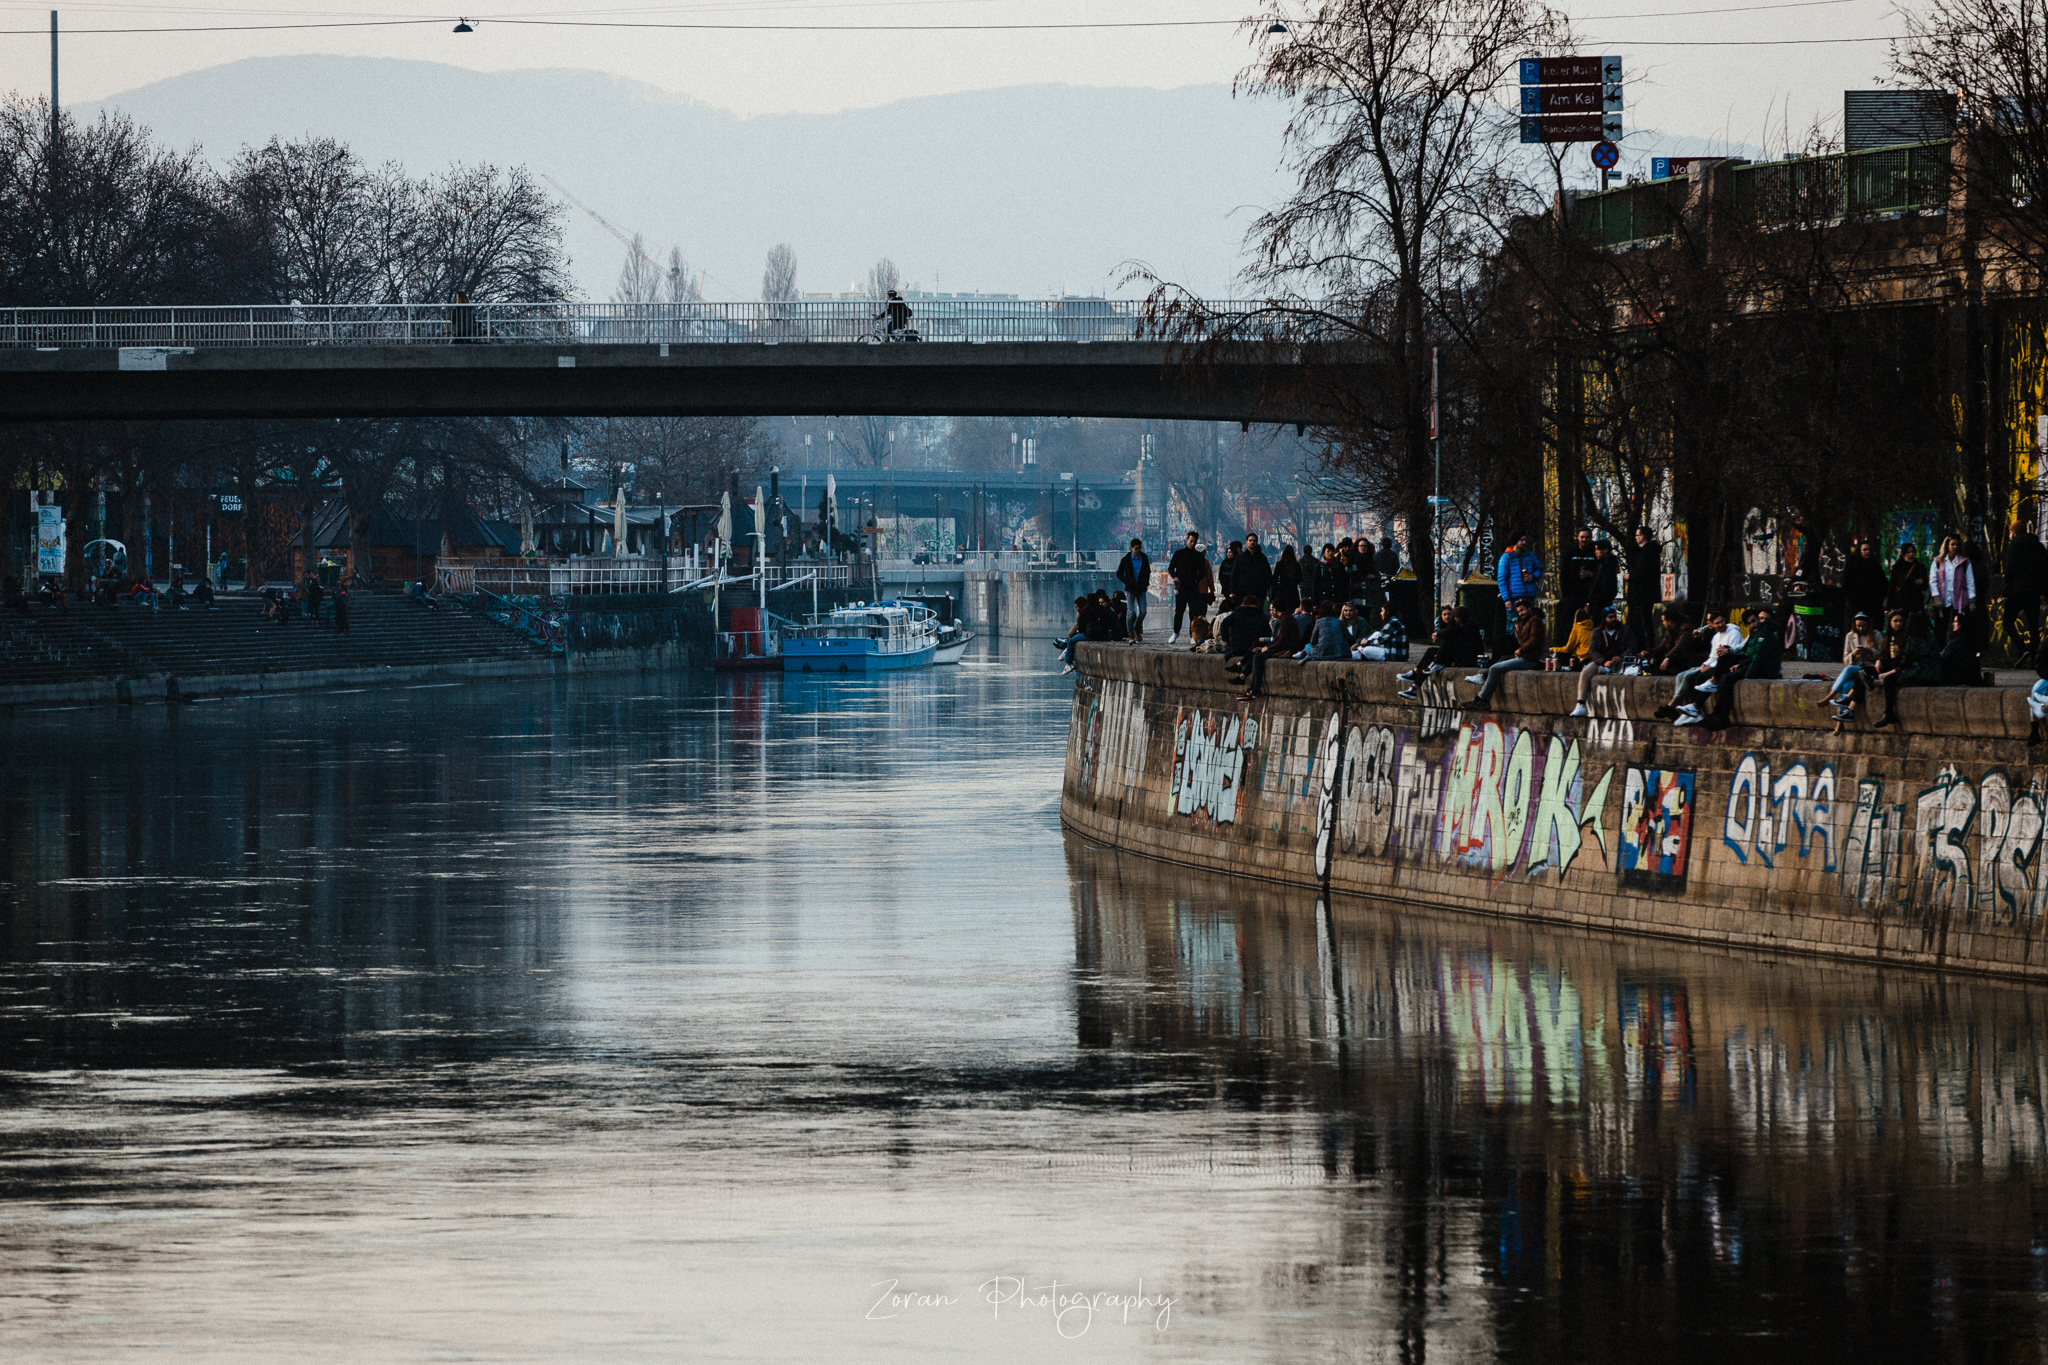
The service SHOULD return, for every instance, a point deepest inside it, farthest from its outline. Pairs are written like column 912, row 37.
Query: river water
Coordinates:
column 662, row 1018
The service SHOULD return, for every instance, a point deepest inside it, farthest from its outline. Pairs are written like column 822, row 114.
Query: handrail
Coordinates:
column 965, row 321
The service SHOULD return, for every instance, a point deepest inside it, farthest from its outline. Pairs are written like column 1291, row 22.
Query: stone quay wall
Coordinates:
column 1919, row 845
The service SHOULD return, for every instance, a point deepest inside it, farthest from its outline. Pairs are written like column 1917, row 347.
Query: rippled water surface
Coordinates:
column 672, row 1018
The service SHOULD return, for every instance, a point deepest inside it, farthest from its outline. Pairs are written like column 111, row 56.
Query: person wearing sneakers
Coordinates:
column 1722, row 638
column 1605, row 647
column 1759, row 660
column 1528, row 654
column 1454, row 643
column 1134, row 571
column 1852, row 686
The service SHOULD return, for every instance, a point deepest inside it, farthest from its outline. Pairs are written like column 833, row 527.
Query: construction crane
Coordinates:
column 631, row 244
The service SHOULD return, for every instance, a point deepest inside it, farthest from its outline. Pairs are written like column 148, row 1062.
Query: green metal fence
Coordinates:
column 1814, row 189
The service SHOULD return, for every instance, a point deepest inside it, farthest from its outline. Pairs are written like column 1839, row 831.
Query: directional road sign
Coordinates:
column 1572, row 128
column 1571, row 70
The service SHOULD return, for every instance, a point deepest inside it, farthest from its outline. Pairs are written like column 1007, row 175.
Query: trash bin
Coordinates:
column 1480, row 597
column 1404, row 596
column 1816, row 618
column 330, row 574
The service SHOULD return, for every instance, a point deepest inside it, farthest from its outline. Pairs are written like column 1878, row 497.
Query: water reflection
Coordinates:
column 1644, row 1142
column 629, row 1018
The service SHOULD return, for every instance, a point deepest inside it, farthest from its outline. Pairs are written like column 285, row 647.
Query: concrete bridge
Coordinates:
column 998, row 358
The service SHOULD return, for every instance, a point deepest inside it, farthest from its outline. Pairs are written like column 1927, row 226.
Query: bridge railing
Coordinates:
column 443, row 324
column 520, row 578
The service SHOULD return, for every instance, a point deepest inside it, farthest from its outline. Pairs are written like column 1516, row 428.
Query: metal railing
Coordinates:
column 518, row 578
column 641, row 324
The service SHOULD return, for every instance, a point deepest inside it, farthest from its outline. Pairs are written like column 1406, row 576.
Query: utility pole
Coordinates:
column 53, row 78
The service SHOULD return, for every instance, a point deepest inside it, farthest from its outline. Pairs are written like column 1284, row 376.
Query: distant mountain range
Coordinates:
column 1029, row 190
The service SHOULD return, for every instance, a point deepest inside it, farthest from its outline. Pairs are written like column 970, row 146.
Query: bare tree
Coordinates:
column 489, row 233
column 682, row 287
column 778, row 280
column 883, row 277
column 1995, row 52
column 100, row 215
column 1404, row 155
column 640, row 280
column 313, row 216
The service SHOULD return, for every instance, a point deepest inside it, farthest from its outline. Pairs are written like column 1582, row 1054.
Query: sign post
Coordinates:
column 1571, row 99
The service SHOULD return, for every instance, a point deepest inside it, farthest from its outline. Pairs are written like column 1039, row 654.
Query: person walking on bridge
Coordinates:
column 1188, row 568
column 1134, row 571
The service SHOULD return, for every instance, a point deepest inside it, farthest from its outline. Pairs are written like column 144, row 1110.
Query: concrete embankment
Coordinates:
column 94, row 653
column 1918, row 845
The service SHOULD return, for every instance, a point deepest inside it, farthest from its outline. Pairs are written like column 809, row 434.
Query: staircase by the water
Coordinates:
column 231, row 637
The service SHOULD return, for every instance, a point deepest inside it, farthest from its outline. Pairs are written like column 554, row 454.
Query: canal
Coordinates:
column 671, row 1017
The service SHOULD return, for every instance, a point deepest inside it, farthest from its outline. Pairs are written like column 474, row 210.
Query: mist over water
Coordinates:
column 675, row 1017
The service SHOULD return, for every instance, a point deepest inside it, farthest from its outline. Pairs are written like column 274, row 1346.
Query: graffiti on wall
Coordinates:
column 1656, row 829
column 1208, row 763
column 1114, row 737
column 1492, row 801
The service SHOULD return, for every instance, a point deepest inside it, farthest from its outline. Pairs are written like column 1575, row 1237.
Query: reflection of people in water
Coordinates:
column 898, row 313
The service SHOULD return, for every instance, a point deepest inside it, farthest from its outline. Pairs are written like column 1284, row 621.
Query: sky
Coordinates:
column 1689, row 72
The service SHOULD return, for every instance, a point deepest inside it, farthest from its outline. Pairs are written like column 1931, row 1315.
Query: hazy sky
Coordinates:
column 1743, row 92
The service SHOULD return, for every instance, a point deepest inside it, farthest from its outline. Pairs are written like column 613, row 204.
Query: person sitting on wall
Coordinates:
column 1327, row 641
column 2037, row 696
column 1759, row 661
column 1283, row 640
column 1904, row 660
column 1852, row 687
column 1242, row 629
column 1390, row 641
column 1718, row 638
column 1120, row 617
column 1202, row 636
column 1083, row 617
column 1528, row 654
column 1677, row 646
column 1573, row 653
column 1604, row 650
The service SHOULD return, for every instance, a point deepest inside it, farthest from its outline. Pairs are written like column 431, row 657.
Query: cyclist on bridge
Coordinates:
column 898, row 313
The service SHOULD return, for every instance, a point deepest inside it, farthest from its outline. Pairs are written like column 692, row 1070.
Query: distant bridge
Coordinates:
column 975, row 357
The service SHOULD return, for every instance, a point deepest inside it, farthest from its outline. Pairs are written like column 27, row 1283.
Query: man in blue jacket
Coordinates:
column 1134, row 571
column 1519, row 577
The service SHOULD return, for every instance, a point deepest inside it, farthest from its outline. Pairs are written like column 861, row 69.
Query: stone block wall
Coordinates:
column 1918, row 845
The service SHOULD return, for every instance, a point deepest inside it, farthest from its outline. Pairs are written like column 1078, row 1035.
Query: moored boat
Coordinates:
column 863, row 638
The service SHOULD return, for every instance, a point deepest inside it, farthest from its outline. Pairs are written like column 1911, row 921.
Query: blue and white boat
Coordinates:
column 864, row 638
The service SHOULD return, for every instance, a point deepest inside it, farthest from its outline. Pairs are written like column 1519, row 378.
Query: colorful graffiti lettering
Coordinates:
column 1656, row 828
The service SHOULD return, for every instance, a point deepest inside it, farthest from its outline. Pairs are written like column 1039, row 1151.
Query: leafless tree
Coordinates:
column 679, row 459
column 778, row 280
column 314, row 217
column 492, row 234
column 1995, row 52
column 1406, row 180
column 640, row 280
column 883, row 277
column 99, row 214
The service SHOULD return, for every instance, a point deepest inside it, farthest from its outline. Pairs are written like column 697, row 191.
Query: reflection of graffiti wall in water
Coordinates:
column 1916, row 847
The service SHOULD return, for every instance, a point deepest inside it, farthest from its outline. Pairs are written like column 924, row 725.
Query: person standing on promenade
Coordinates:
column 1134, row 571
column 1188, row 568
column 1645, row 590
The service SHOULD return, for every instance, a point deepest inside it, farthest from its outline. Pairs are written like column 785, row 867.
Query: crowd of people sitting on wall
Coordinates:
column 1914, row 624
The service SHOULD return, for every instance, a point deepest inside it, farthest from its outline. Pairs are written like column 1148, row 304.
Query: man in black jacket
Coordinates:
column 1253, row 576
column 2026, row 578
column 1645, row 590
column 1283, row 639
column 1186, row 569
